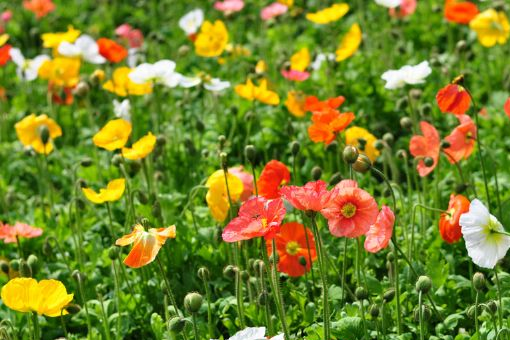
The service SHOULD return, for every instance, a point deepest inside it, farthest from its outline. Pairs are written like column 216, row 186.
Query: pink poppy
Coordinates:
column 229, row 6
column 9, row 233
column 424, row 146
column 406, row 8
column 379, row 234
column 247, row 180
column 257, row 217
column 295, row 75
column 273, row 10
column 462, row 140
column 351, row 210
column 134, row 37
column 313, row 196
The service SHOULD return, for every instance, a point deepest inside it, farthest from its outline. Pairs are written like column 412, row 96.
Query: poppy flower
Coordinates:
column 122, row 85
column 300, row 60
column 134, row 37
column 113, row 135
column 212, row 39
column 260, row 93
column 506, row 108
column 9, row 234
column 482, row 233
column 449, row 227
column 122, row 109
column 273, row 10
column 46, row 297
column 113, row 192
column 313, row 196
column 329, row 14
column 291, row 245
column 161, row 72
column 363, row 140
column 406, row 8
column 351, row 210
column 40, row 8
column 379, row 235
column 141, row 148
column 274, row 175
column 53, row 40
column 389, row 3
column 229, row 6
column 491, row 27
column 313, row 104
column 349, row 44
column 462, row 140
column 460, row 12
column 217, row 195
column 424, row 146
column 84, row 47
column 61, row 72
column 409, row 74
column 254, row 333
column 295, row 103
column 326, row 125
column 453, row 98
column 295, row 75
column 5, row 54
column 27, row 69
column 258, row 217
column 112, row 51
column 247, row 180
column 30, row 132
column 191, row 22
column 146, row 244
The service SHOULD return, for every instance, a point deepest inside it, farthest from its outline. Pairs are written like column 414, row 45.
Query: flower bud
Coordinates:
column 362, row 164
column 156, row 209
column 479, row 281
column 445, row 144
column 316, row 173
column 193, row 302
column 245, row 275
column 113, row 253
column 81, row 89
column 374, row 311
column 24, row 269
column 415, row 93
column 203, row 274
column 332, row 147
column 229, row 271
column 117, row 160
column 350, row 154
column 160, row 141
column 78, row 276
column 183, row 50
column 461, row 46
column 428, row 161
column 388, row 138
column 47, row 249
column 471, row 311
column 222, row 140
column 262, row 298
column 361, row 293
column 402, row 154
column 14, row 264
column 176, row 324
column 223, row 161
column 401, row 104
column 33, row 263
column 200, row 126
column 379, row 145
column 86, row 162
column 44, row 133
column 335, row 179
column 492, row 307
column 406, row 123
column 142, row 197
column 389, row 295
column 97, row 76
column 425, row 109
column 423, row 284
column 294, row 148
column 4, row 266
column 250, row 153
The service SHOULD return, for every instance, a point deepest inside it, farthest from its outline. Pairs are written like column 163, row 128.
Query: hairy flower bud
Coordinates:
column 479, row 281
column 350, row 154
column 193, row 302
column 423, row 284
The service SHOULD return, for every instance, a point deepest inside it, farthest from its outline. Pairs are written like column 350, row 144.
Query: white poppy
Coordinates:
column 482, row 233
column 406, row 75
column 122, row 109
column 389, row 3
column 321, row 57
column 216, row 85
column 133, row 57
column 188, row 82
column 84, row 47
column 254, row 333
column 161, row 72
column 27, row 69
column 191, row 22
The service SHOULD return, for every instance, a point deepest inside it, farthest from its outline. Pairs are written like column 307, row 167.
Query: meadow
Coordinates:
column 249, row 170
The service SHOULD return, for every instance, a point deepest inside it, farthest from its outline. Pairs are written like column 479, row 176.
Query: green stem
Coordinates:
column 110, row 219
column 117, row 295
column 239, row 296
column 105, row 319
column 209, row 309
column 420, row 315
column 168, row 287
column 37, row 331
column 195, row 328
column 278, row 293
column 500, row 302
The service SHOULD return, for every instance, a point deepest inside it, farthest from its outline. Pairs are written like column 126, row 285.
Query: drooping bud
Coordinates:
column 423, row 284
column 44, row 133
column 229, row 271
column 316, row 173
column 350, row 154
column 362, row 164
column 335, row 179
column 113, row 253
column 222, row 140
column 388, row 138
column 426, row 313
column 86, row 162
column 193, row 302
column 262, row 298
column 223, row 161
column 250, row 153
column 176, row 324
column 406, row 123
column 389, row 295
column 14, row 264
column 24, row 269
column 294, row 148
column 203, row 274
column 361, row 293
column 379, row 145
column 81, row 89
column 415, row 93
column 445, row 144
column 428, row 161
column 374, row 311
column 33, row 263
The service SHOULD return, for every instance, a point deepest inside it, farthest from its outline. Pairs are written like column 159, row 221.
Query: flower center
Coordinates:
column 348, row 210
column 449, row 214
column 292, row 248
column 264, row 222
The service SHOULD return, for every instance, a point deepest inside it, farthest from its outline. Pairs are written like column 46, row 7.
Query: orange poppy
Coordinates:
column 313, row 104
column 313, row 196
column 507, row 107
column 291, row 246
column 274, row 175
column 326, row 125
column 460, row 12
column 462, row 140
column 425, row 146
column 39, row 7
column 111, row 50
column 453, row 98
column 61, row 95
column 449, row 227
column 5, row 54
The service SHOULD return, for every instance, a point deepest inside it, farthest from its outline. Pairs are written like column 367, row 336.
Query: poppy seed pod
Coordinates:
column 389, row 295
column 294, row 148
column 193, row 302
column 406, row 123
column 361, row 293
column 350, row 154
column 316, row 173
column 335, row 179
column 204, row 274
column 479, row 281
column 362, row 164
column 113, row 252
column 423, row 284
column 428, row 161
column 250, row 153
column 176, row 324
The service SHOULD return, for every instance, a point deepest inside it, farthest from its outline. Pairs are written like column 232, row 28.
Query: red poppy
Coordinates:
column 274, row 175
column 5, row 55
column 453, row 98
column 460, row 12
column 313, row 196
column 111, row 50
column 257, row 217
column 351, row 210
column 291, row 246
column 326, row 125
column 313, row 104
column 61, row 95
column 507, row 107
column 462, row 140
column 449, row 227
column 425, row 146
column 10, row 233
column 379, row 234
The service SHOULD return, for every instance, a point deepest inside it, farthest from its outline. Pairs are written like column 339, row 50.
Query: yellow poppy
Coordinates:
column 349, row 44
column 3, row 39
column 300, row 60
column 111, row 193
column 141, row 148
column 491, row 27
column 113, row 135
column 295, row 103
column 64, row 72
column 53, row 40
column 212, row 39
column 121, row 85
column 329, row 14
column 363, row 140
column 261, row 93
column 31, row 129
column 287, row 3
column 260, row 67
column 48, row 297
column 217, row 196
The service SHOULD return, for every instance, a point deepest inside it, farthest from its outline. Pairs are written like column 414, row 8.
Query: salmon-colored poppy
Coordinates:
column 295, row 75
column 291, row 246
column 449, row 227
column 313, row 196
column 379, row 234
column 5, row 55
column 507, row 107
column 313, row 104
column 462, row 140
column 460, row 12
column 425, row 146
column 406, row 8
column 112, row 51
column 257, row 217
column 274, row 175
column 453, row 98
column 326, row 125
column 146, row 244
column 247, row 180
column 10, row 233
column 40, row 8
column 351, row 210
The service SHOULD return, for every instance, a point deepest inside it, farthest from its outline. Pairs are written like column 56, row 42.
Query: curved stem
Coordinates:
column 278, row 293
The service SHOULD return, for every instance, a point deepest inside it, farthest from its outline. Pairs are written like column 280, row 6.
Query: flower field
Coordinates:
column 250, row 170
